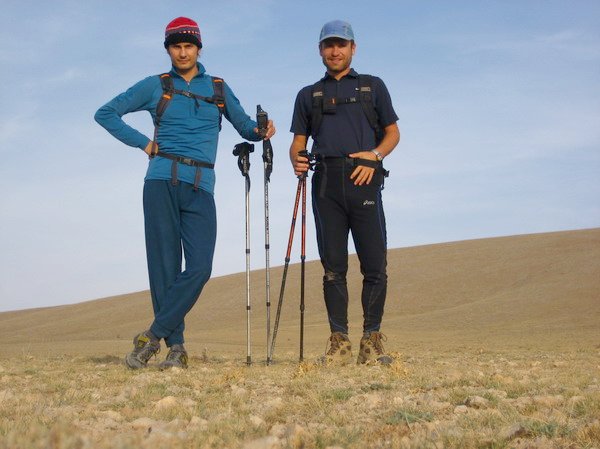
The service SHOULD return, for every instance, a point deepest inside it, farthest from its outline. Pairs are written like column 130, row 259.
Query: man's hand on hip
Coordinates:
column 363, row 174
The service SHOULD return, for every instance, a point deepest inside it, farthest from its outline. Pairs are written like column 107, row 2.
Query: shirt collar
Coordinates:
column 201, row 70
column 351, row 74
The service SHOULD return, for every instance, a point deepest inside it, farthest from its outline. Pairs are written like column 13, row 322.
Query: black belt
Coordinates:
column 187, row 161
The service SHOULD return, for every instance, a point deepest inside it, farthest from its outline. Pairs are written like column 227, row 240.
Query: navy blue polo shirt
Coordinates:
column 347, row 130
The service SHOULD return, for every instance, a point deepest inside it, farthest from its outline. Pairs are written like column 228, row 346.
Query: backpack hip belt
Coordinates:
column 187, row 161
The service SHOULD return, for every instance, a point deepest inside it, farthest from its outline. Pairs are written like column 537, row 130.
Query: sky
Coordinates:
column 498, row 105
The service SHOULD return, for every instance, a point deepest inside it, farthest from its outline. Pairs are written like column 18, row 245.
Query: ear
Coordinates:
column 353, row 48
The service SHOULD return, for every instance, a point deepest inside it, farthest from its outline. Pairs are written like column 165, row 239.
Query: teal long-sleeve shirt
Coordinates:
column 188, row 127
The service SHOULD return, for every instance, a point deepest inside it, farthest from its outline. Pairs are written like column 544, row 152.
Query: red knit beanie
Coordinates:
column 182, row 29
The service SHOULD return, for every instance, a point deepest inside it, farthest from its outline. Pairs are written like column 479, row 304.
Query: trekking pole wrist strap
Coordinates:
column 377, row 165
column 367, row 163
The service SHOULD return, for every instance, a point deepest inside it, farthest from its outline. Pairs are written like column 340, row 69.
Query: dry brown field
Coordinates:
column 496, row 344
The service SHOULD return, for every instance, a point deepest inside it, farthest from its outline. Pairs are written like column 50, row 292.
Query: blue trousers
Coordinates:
column 179, row 222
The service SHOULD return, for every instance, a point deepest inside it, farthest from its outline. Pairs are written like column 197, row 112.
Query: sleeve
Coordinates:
column 302, row 109
column 234, row 112
column 139, row 97
column 383, row 103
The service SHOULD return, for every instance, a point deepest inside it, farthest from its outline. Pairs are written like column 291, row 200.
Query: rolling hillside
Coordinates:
column 539, row 291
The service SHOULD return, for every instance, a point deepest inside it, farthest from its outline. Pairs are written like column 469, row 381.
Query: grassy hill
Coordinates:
column 530, row 291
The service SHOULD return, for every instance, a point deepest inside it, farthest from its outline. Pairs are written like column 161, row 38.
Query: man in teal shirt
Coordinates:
column 179, row 208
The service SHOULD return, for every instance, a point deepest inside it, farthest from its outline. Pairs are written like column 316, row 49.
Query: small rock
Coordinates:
column 176, row 424
column 256, row 421
column 515, row 431
column 238, row 391
column 269, row 442
column 498, row 394
column 453, row 375
column 144, row 424
column 548, row 401
column 198, row 422
column 439, row 405
column 188, row 403
column 502, row 379
column 476, row 402
column 274, row 403
column 369, row 400
column 291, row 432
column 461, row 409
column 5, row 395
column 111, row 414
column 166, row 402
column 576, row 400
column 373, row 400
column 278, row 430
column 522, row 402
column 398, row 400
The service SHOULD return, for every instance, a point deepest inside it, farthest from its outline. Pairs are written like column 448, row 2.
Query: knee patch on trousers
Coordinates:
column 331, row 276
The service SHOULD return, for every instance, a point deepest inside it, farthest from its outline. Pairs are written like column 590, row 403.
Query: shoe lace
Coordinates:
column 149, row 351
column 376, row 339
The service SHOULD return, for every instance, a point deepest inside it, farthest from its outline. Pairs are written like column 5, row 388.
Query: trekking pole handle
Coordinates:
column 242, row 151
column 262, row 119
column 311, row 162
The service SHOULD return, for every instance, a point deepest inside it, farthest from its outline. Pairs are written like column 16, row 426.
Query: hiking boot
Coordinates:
column 371, row 349
column 340, row 350
column 144, row 347
column 176, row 358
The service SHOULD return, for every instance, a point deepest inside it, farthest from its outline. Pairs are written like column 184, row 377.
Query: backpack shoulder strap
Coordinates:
column 365, row 83
column 316, row 114
column 167, row 86
column 218, row 98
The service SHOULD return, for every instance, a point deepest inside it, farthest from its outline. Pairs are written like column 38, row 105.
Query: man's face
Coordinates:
column 183, row 55
column 337, row 54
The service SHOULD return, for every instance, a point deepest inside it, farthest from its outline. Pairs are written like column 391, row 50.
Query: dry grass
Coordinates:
column 497, row 345
column 516, row 399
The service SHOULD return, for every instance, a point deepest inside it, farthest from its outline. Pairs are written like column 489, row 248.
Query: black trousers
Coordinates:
column 339, row 208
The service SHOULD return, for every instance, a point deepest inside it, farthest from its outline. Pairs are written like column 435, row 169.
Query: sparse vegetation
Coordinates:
column 499, row 341
column 95, row 402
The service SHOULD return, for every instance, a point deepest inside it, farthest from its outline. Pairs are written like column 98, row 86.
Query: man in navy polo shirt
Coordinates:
column 353, row 126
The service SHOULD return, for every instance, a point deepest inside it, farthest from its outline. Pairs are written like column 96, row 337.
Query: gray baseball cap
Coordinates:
column 337, row 28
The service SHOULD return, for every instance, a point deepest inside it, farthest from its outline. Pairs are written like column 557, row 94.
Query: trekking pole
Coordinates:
column 302, row 265
column 263, row 119
column 285, row 270
column 242, row 151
